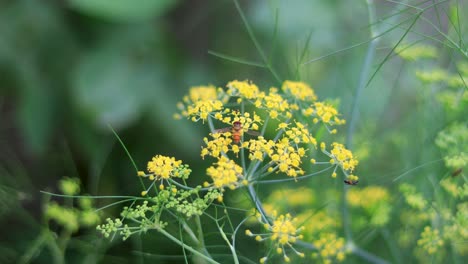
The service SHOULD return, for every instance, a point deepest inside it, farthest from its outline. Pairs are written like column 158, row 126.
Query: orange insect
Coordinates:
column 236, row 131
column 349, row 182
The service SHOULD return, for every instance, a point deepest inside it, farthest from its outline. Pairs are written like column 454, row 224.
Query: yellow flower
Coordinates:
column 330, row 248
column 163, row 167
column 283, row 232
column 275, row 104
column 299, row 90
column 300, row 134
column 243, row 89
column 343, row 157
column 226, row 173
column 202, row 109
column 220, row 144
column 202, row 102
column 324, row 112
column 201, row 93
column 430, row 240
column 374, row 200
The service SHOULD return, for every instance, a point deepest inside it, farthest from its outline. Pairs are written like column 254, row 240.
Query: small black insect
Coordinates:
column 349, row 182
column 457, row 172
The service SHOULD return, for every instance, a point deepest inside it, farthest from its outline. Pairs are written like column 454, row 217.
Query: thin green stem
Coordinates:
column 254, row 197
column 354, row 111
column 187, row 247
column 127, row 152
column 256, row 43
column 368, row 256
column 200, row 236
column 182, row 240
column 233, row 250
column 35, row 248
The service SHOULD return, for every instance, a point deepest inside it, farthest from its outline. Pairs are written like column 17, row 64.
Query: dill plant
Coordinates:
column 285, row 119
column 288, row 145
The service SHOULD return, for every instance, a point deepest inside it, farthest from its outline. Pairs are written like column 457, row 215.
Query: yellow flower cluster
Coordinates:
column 330, row 248
column 457, row 231
column 430, row 240
column 226, row 173
column 220, row 144
column 318, row 222
column 412, row 197
column 201, row 102
column 286, row 157
column 368, row 197
column 284, row 153
column 201, row 93
column 275, row 104
column 248, row 121
column 244, row 89
column 283, row 232
column 344, row 157
column 299, row 90
column 283, row 157
column 300, row 134
column 324, row 112
column 375, row 201
column 284, row 229
column 288, row 198
column 162, row 167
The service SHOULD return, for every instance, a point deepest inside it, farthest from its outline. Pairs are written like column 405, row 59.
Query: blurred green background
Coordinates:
column 68, row 69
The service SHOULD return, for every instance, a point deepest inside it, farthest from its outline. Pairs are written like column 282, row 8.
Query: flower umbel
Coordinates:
column 430, row 240
column 283, row 232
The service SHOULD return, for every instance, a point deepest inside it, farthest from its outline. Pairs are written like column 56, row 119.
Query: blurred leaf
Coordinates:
column 29, row 32
column 126, row 76
column 114, row 81
column 123, row 10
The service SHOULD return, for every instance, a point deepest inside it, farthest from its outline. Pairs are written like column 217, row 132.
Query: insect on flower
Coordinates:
column 350, row 182
column 236, row 131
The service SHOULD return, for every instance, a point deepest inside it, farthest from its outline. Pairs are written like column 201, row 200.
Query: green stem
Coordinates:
column 233, row 250
column 58, row 255
column 354, row 111
column 200, row 236
column 34, row 248
column 254, row 197
column 187, row 247
column 256, row 43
